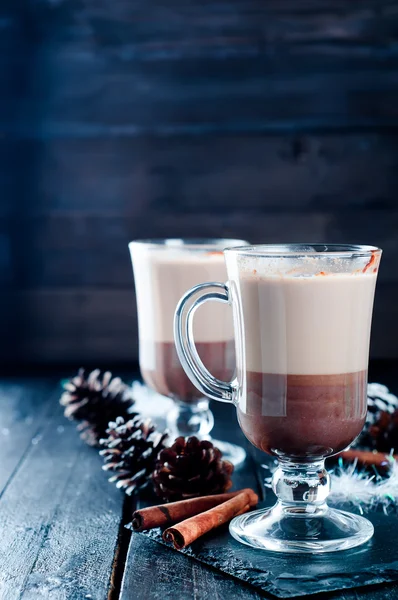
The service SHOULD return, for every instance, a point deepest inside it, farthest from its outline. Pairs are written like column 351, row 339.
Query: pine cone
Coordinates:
column 95, row 402
column 383, row 435
column 191, row 468
column 378, row 433
column 380, row 399
column 131, row 450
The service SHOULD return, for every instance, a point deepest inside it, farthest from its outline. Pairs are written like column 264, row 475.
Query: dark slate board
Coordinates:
column 287, row 576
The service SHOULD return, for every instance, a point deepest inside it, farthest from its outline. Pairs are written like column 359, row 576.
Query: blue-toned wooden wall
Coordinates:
column 269, row 120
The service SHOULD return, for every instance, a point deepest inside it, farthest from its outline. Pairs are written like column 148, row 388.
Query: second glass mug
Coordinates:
column 163, row 270
column 302, row 318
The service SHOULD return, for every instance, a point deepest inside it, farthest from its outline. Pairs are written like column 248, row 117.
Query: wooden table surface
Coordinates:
column 62, row 523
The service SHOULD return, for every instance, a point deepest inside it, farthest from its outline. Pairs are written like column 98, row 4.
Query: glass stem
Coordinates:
column 194, row 418
column 302, row 486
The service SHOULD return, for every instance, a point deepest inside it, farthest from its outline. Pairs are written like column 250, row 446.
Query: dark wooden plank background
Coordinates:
column 269, row 120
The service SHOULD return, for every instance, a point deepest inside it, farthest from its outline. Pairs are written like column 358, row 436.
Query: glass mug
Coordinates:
column 163, row 270
column 302, row 318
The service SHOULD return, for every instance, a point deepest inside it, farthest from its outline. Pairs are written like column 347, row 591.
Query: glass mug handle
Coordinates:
column 193, row 366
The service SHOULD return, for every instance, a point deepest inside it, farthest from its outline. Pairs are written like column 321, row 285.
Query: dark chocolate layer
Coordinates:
column 303, row 415
column 169, row 378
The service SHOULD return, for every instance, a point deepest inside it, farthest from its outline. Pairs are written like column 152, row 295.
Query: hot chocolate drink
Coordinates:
column 302, row 316
column 167, row 376
column 303, row 370
column 161, row 277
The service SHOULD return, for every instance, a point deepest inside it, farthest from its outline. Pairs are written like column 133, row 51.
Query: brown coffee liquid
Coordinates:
column 168, row 377
column 303, row 415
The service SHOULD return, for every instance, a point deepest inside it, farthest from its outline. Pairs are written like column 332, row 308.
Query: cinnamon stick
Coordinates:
column 188, row 531
column 166, row 514
column 368, row 458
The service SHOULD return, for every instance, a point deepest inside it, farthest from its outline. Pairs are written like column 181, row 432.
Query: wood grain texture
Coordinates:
column 59, row 518
column 23, row 408
column 175, row 577
column 213, row 173
column 188, row 68
column 269, row 121
column 73, row 324
column 210, row 174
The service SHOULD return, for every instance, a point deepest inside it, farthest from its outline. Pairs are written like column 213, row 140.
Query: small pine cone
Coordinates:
column 191, row 468
column 380, row 400
column 131, row 450
column 95, row 401
column 381, row 406
column 383, row 435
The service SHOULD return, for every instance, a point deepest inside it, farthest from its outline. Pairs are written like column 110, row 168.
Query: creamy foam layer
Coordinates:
column 305, row 325
column 161, row 279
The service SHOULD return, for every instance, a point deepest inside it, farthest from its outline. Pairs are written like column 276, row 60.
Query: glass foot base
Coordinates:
column 286, row 528
column 234, row 454
column 165, row 413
